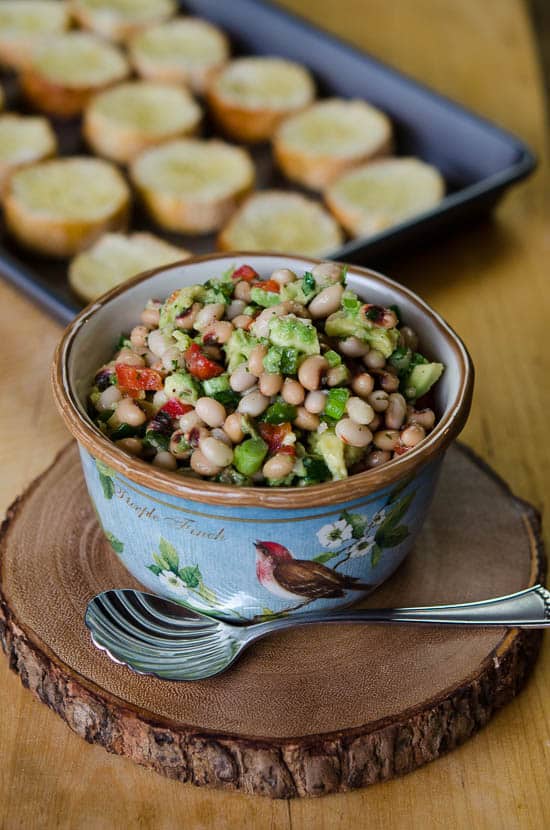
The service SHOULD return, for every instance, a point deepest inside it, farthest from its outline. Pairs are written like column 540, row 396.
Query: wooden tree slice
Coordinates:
column 310, row 711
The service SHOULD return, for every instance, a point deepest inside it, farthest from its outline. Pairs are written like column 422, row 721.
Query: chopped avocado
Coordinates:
column 351, row 303
column 333, row 358
column 401, row 360
column 218, row 290
column 422, row 378
column 294, row 332
column 315, row 470
column 341, row 324
column 183, row 386
column 212, row 386
column 178, row 302
column 183, row 341
column 300, row 291
column 238, row 348
column 332, row 451
column 264, row 298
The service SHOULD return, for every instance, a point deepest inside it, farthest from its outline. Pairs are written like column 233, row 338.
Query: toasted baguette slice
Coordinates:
column 317, row 145
column 120, row 19
column 192, row 185
column 251, row 96
column 60, row 206
column 128, row 118
column 22, row 25
column 66, row 70
column 187, row 50
column 115, row 257
column 24, row 139
column 376, row 196
column 281, row 221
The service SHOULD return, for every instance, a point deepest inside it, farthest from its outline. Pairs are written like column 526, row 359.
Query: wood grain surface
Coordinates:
column 491, row 283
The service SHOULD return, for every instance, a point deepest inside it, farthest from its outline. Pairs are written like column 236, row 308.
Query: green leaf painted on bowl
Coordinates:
column 375, row 555
column 392, row 536
column 169, row 555
column 326, row 556
column 115, row 543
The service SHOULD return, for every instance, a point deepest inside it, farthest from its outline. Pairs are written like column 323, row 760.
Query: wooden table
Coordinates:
column 491, row 283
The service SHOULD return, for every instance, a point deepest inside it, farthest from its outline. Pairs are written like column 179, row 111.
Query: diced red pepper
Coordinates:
column 274, row 435
column 199, row 365
column 270, row 285
column 246, row 273
column 135, row 379
column 175, row 408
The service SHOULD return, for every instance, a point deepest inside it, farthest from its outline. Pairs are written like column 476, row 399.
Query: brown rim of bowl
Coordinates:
column 318, row 495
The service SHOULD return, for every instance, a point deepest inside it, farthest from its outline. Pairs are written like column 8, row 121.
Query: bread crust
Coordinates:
column 117, row 30
column 7, row 168
column 225, row 240
column 122, row 142
column 185, row 213
column 353, row 219
column 56, row 236
column 57, row 99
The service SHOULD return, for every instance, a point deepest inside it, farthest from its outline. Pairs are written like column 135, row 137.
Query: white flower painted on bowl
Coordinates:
column 173, row 583
column 334, row 535
column 363, row 547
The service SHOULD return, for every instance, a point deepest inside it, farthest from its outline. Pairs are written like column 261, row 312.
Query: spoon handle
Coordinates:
column 525, row 609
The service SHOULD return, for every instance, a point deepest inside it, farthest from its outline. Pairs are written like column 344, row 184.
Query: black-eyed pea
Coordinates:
column 186, row 321
column 235, row 308
column 378, row 457
column 241, row 379
column 127, row 412
column 222, row 436
column 165, row 460
column 210, row 411
column 423, row 417
column 138, row 337
column 389, row 382
column 242, row 291
column 353, row 347
column 386, row 439
column 363, row 384
column 172, row 359
column 327, row 301
column 218, row 332
column 179, row 446
column 293, row 392
column 208, row 315
column 315, row 402
column 158, row 342
column 412, row 435
column 256, row 360
column 379, row 400
column 190, row 421
column 279, row 466
column 396, row 411
column 374, row 359
column 216, row 451
column 330, row 271
column 201, row 465
column 233, row 427
column 311, row 371
column 337, row 375
column 409, row 337
column 150, row 317
column 376, row 422
column 242, row 321
column 306, row 420
column 262, row 321
column 283, row 276
column 356, row 435
column 129, row 358
column 270, row 383
column 133, row 446
column 359, row 410
column 253, row 404
column 108, row 399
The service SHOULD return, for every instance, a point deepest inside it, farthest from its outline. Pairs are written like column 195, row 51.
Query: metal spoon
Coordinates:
column 155, row 636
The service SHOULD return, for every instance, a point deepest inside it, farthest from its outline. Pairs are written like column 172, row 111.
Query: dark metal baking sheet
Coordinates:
column 478, row 159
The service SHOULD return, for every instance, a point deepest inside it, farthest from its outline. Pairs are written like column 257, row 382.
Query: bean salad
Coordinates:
column 289, row 381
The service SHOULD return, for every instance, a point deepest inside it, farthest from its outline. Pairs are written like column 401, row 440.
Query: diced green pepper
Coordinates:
column 336, row 403
column 213, row 385
column 248, row 457
column 280, row 412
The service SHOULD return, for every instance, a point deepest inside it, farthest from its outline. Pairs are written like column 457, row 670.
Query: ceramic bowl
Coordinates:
column 204, row 543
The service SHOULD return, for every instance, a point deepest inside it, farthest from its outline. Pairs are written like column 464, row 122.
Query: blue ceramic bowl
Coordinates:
column 240, row 552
